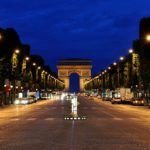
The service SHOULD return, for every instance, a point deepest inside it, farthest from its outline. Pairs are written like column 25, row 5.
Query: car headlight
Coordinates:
column 24, row 102
column 17, row 102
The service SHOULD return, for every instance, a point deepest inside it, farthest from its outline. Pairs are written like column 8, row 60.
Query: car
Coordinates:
column 99, row 96
column 106, row 98
column 68, row 97
column 43, row 95
column 138, row 101
column 115, row 100
column 23, row 101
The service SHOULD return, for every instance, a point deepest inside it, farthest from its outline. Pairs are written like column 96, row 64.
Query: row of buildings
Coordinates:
column 131, row 71
column 21, row 71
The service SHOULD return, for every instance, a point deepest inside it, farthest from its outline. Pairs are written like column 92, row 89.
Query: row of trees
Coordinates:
column 131, row 71
column 122, row 73
column 19, row 70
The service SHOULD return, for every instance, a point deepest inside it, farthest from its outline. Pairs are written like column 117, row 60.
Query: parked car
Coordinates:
column 43, row 95
column 138, row 101
column 116, row 100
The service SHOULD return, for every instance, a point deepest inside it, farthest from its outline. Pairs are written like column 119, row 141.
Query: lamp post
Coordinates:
column 43, row 78
column 35, row 75
column 118, row 70
column 114, row 85
column 25, row 78
column 131, row 51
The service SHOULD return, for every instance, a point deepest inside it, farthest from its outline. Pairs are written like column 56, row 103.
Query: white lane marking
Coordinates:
column 119, row 119
column 31, row 119
column 15, row 119
column 49, row 119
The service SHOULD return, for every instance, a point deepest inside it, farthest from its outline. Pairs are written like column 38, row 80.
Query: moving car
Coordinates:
column 68, row 96
column 31, row 98
column 26, row 100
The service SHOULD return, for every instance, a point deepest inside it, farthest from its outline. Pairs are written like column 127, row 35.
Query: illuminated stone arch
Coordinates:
column 82, row 67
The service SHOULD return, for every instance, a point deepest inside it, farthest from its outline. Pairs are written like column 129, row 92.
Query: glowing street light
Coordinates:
column 39, row 67
column 109, row 68
column 17, row 51
column 130, row 51
column 121, row 58
column 27, row 58
column 34, row 64
column 114, row 63
column 148, row 38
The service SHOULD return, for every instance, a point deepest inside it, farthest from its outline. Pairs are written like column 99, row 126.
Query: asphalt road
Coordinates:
column 41, row 126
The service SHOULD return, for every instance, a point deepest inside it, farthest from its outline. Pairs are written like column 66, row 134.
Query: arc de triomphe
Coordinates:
column 82, row 67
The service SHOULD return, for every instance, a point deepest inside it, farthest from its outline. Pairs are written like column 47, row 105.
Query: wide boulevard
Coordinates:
column 41, row 126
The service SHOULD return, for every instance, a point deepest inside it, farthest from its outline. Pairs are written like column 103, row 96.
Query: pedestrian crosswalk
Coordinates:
column 94, row 118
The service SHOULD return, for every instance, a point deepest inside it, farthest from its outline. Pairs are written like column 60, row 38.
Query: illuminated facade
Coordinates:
column 82, row 67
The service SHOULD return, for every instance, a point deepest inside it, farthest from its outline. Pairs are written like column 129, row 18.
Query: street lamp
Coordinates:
column 17, row 51
column 34, row 64
column 130, row 51
column 27, row 58
column 148, row 38
column 109, row 68
column 121, row 58
column 114, row 63
column 39, row 67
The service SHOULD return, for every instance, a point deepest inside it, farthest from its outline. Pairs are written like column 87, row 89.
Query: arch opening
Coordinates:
column 74, row 83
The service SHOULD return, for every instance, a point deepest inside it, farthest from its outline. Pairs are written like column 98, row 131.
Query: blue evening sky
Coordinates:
column 100, row 30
